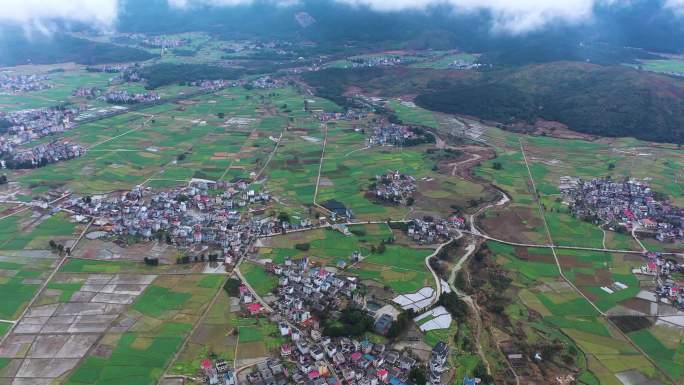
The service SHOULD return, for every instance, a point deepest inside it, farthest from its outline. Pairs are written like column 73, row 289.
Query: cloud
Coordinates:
column 230, row 3
column 513, row 16
column 39, row 14
column 677, row 6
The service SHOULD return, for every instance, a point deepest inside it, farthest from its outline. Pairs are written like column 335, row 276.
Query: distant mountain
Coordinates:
column 17, row 49
column 599, row 100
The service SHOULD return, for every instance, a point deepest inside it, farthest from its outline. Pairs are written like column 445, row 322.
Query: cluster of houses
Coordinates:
column 376, row 61
column 201, row 215
column 23, row 83
column 28, row 125
column 266, row 82
column 213, row 85
column 397, row 135
column 394, row 187
column 125, row 97
column 459, row 64
column 434, row 230
column 125, row 72
column 628, row 202
column 350, row 114
column 217, row 372
column 270, row 372
column 42, row 155
column 667, row 289
column 304, row 291
column 87, row 92
column 163, row 42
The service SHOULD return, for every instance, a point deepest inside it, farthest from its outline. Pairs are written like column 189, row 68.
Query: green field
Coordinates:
column 665, row 65
column 168, row 310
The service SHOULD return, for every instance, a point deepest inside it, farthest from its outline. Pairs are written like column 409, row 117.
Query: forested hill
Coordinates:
column 606, row 101
column 17, row 49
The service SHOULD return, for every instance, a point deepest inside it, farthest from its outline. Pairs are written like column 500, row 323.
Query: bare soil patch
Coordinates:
column 510, row 224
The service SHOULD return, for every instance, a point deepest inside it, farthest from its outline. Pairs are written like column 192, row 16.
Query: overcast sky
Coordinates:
column 512, row 16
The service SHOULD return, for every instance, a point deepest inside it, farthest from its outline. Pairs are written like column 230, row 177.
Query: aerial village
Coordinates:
column 628, row 203
column 192, row 218
column 29, row 125
column 23, row 83
column 393, row 187
column 398, row 135
column 306, row 303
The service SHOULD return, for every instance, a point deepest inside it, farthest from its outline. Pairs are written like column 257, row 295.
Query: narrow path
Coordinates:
column 603, row 241
column 142, row 125
column 320, row 168
column 636, row 238
column 358, row 149
column 268, row 161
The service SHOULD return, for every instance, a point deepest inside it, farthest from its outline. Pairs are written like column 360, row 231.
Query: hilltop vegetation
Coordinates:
column 612, row 101
column 606, row 101
column 164, row 74
column 17, row 49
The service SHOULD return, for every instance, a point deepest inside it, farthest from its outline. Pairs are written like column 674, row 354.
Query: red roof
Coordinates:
column 356, row 356
column 254, row 307
column 314, row 374
column 206, row 364
column 652, row 265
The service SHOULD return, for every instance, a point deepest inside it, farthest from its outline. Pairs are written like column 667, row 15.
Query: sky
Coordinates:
column 509, row 16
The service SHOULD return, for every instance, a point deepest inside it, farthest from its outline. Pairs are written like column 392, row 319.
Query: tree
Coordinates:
column 232, row 287
column 221, row 115
column 381, row 249
column 151, row 261
column 284, row 217
column 402, row 324
column 3, row 179
column 417, row 376
column 497, row 166
column 454, row 305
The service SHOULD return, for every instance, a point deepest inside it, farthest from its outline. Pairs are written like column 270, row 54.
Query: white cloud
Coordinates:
column 39, row 13
column 229, row 3
column 510, row 16
column 514, row 16
column 677, row 6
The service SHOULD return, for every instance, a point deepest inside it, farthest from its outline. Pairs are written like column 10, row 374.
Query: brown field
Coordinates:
column 514, row 223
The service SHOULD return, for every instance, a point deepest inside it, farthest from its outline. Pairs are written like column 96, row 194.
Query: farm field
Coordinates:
column 162, row 316
column 169, row 144
column 26, row 231
column 123, row 321
column 664, row 65
column 607, row 352
column 445, row 61
column 21, row 274
column 348, row 169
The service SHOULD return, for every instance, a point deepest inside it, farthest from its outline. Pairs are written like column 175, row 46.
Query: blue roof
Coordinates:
column 396, row 381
